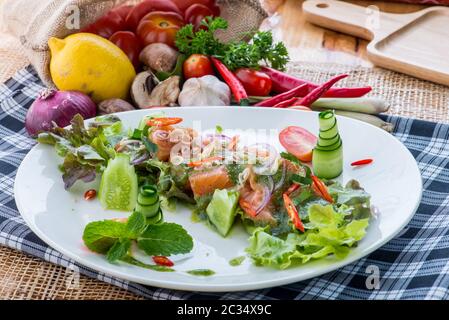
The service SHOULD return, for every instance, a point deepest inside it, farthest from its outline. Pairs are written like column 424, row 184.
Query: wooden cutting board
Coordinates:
column 415, row 43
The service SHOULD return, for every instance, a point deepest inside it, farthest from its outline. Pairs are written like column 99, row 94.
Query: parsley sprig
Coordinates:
column 234, row 54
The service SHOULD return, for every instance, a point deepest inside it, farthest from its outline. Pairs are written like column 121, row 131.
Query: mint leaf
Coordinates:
column 165, row 239
column 136, row 225
column 100, row 236
column 119, row 250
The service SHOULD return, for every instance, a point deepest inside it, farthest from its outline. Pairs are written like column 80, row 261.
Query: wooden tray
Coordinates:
column 414, row 43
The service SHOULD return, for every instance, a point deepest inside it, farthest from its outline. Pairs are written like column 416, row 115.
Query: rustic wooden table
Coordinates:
column 30, row 278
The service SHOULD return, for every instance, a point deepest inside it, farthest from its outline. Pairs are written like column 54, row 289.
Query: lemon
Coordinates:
column 91, row 64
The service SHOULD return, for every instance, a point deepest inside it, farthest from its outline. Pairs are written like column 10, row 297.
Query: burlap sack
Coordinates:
column 33, row 22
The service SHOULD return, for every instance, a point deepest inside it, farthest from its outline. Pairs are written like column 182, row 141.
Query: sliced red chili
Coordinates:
column 362, row 162
column 292, row 189
column 199, row 163
column 162, row 122
column 90, row 194
column 322, row 189
column 163, row 261
column 247, row 208
column 293, row 213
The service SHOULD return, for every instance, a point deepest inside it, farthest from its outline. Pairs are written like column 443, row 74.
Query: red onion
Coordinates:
column 266, row 198
column 57, row 107
column 281, row 181
column 217, row 136
column 265, row 168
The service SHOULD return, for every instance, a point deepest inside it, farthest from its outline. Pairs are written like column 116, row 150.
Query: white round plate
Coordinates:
column 58, row 217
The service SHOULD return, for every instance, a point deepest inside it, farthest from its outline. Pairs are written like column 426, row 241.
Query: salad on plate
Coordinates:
column 289, row 202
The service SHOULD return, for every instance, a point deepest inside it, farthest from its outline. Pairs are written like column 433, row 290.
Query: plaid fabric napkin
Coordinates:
column 414, row 265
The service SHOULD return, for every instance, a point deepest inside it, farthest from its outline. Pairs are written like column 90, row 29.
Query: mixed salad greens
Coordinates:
column 290, row 214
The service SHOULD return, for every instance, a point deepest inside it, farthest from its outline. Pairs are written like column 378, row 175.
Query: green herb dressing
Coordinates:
column 237, row 261
column 201, row 272
column 137, row 263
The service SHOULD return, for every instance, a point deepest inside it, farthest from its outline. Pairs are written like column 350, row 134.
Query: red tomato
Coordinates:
column 256, row 83
column 196, row 13
column 197, row 65
column 130, row 44
column 123, row 11
column 158, row 26
column 107, row 25
column 211, row 4
column 299, row 142
column 142, row 9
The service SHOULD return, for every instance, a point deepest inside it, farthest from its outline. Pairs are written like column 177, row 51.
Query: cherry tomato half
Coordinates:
column 256, row 83
column 197, row 65
column 196, row 13
column 130, row 44
column 299, row 142
column 158, row 26
column 107, row 25
column 142, row 9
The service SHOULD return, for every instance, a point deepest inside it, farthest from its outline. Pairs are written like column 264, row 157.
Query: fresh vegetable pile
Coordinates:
column 165, row 53
column 290, row 208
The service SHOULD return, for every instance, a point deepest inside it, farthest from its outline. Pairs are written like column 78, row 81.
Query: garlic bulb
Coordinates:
column 205, row 91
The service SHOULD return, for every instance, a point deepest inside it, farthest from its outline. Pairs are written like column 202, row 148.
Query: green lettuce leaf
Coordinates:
column 271, row 251
column 327, row 232
column 85, row 150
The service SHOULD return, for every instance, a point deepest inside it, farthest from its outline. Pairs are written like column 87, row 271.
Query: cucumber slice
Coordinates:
column 118, row 187
column 328, row 142
column 328, row 164
column 222, row 210
column 327, row 156
column 158, row 218
column 327, row 120
column 328, row 126
column 331, row 147
column 148, row 201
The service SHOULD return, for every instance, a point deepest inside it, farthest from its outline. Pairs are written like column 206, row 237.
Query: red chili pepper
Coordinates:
column 293, row 213
column 362, row 162
column 247, row 208
column 298, row 91
column 233, row 82
column 321, row 188
column 283, row 82
column 162, row 122
column 90, row 194
column 318, row 92
column 201, row 162
column 286, row 103
column 292, row 189
column 163, row 261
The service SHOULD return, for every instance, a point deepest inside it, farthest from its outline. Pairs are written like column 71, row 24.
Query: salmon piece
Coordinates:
column 205, row 182
column 253, row 193
column 253, row 198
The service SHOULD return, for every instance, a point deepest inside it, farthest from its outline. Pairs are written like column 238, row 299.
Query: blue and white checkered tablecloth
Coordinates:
column 414, row 265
